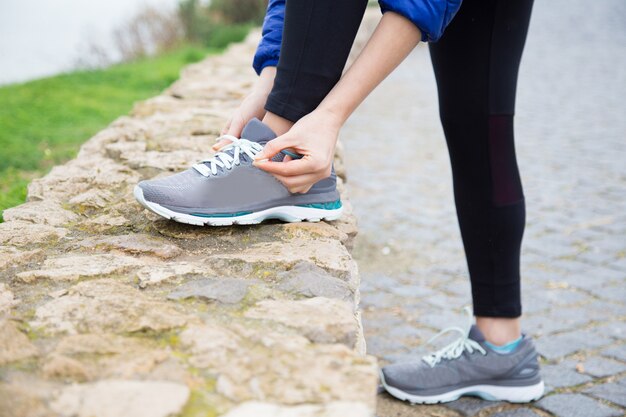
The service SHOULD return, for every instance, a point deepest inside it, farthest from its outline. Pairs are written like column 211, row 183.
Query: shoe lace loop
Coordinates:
column 225, row 160
column 456, row 348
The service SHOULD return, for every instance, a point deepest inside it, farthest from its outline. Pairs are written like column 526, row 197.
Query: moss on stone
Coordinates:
column 198, row 405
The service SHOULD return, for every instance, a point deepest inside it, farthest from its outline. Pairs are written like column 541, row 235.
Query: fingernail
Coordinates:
column 257, row 161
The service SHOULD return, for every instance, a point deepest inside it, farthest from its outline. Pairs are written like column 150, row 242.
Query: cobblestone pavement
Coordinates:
column 571, row 145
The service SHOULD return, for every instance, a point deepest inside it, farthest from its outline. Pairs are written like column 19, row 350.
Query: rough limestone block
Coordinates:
column 334, row 409
column 137, row 244
column 21, row 233
column 223, row 290
column 282, row 368
column 14, row 345
column 40, row 212
column 10, row 256
column 74, row 267
column 7, row 300
column 309, row 280
column 171, row 272
column 328, row 254
column 321, row 320
column 105, row 285
column 106, row 306
column 118, row 398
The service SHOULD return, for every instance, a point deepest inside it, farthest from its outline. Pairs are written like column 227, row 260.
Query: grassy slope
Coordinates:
column 43, row 122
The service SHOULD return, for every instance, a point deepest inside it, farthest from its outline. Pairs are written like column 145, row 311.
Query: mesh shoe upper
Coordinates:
column 241, row 188
column 520, row 367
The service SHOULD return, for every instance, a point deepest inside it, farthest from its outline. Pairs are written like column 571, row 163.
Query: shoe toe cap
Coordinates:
column 153, row 192
column 402, row 375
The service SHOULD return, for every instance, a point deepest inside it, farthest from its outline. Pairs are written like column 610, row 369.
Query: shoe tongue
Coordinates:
column 257, row 131
column 476, row 335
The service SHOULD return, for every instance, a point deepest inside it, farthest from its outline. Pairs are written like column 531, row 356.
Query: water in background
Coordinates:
column 45, row 37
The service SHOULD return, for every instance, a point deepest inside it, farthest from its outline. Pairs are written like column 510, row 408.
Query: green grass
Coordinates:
column 44, row 122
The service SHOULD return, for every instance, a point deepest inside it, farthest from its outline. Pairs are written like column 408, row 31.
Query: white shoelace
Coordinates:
column 456, row 348
column 226, row 161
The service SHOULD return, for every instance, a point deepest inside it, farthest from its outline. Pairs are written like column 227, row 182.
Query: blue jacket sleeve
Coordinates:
column 430, row 16
column 268, row 51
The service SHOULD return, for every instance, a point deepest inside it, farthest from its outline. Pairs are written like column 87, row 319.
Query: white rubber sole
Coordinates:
column 486, row 392
column 289, row 214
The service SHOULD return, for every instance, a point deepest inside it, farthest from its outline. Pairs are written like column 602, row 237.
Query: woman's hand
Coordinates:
column 252, row 106
column 314, row 136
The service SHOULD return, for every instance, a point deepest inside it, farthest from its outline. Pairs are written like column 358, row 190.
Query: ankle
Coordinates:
column 278, row 124
column 499, row 331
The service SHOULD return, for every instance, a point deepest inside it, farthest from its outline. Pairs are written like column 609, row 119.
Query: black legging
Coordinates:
column 476, row 64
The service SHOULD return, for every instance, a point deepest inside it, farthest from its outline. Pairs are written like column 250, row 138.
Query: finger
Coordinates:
column 274, row 146
column 300, row 183
column 288, row 169
column 227, row 126
column 287, row 158
column 219, row 145
column 302, row 190
column 236, row 126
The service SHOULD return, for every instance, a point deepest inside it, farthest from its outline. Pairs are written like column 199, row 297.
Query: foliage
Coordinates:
column 221, row 21
column 239, row 11
column 150, row 31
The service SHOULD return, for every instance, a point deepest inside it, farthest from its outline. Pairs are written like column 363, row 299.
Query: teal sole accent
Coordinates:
column 333, row 205
column 293, row 155
column 241, row 213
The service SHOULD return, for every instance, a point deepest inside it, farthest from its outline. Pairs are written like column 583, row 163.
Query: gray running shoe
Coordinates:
column 467, row 366
column 227, row 189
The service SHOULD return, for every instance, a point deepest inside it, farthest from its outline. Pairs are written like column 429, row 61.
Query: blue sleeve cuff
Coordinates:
column 268, row 51
column 269, row 62
column 430, row 16
column 384, row 8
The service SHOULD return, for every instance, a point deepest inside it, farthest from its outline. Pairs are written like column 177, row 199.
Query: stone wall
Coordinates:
column 109, row 310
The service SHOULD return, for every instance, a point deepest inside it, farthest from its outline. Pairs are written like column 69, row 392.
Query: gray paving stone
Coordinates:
column 444, row 301
column 601, row 311
column 407, row 331
column 380, row 281
column 381, row 321
column 617, row 352
column 542, row 298
column 599, row 367
column 412, row 291
column 593, row 278
column 613, row 246
column 615, row 292
column 516, row 412
column 576, row 405
column 615, row 329
column 551, row 248
column 378, row 299
column 615, row 393
column 619, row 264
column 596, row 257
column 557, row 346
column 570, row 266
column 560, row 320
column 562, row 375
column 442, row 319
column 471, row 406
column 382, row 345
column 399, row 357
